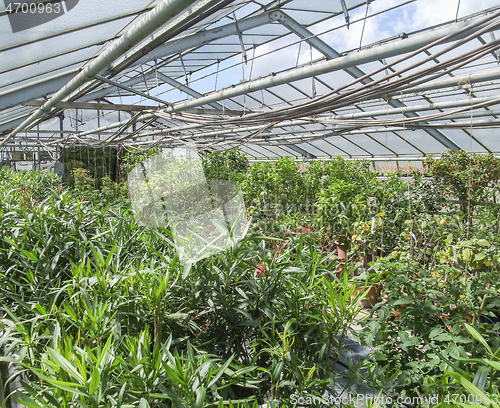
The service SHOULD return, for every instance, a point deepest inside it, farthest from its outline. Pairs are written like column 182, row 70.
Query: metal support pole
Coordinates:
column 186, row 89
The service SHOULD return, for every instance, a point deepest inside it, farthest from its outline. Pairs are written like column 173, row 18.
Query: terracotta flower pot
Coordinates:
column 341, row 254
column 341, row 251
column 371, row 297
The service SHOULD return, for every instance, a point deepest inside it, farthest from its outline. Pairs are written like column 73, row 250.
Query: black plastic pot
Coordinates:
column 490, row 319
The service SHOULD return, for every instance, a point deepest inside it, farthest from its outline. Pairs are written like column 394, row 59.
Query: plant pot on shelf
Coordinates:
column 371, row 297
column 341, row 254
column 365, row 260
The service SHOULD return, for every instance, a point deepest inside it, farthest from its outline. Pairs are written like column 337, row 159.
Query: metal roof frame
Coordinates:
column 433, row 80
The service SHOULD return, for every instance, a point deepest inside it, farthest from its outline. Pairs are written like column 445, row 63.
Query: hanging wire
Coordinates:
column 298, row 54
column 157, row 83
column 251, row 65
column 458, row 8
column 469, row 218
column 313, row 83
column 217, row 75
column 364, row 23
column 385, row 184
column 411, row 235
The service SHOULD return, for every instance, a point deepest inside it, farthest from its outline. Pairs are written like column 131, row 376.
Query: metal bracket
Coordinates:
column 346, row 12
column 240, row 36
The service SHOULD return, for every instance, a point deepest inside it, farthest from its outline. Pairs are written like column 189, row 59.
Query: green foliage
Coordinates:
column 419, row 326
column 478, row 378
column 100, row 312
column 99, row 163
column 136, row 156
column 229, row 164
column 340, row 206
column 84, row 182
column 466, row 176
column 275, row 188
column 112, row 190
column 288, row 192
column 97, row 311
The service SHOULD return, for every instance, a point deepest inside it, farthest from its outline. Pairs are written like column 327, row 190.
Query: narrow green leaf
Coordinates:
column 201, row 394
column 94, row 381
column 143, row 404
column 64, row 364
column 29, row 255
column 474, row 333
column 220, row 371
column 476, row 392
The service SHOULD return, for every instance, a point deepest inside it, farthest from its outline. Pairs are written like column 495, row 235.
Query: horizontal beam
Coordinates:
column 94, row 106
column 131, row 90
column 186, row 89
column 36, row 89
column 198, row 13
column 472, row 102
column 302, row 32
column 456, row 81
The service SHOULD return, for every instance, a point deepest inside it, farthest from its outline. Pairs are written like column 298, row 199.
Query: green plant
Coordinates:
column 112, row 190
column 230, row 164
column 84, row 183
column 470, row 177
column 98, row 162
column 340, row 206
column 136, row 156
column 478, row 378
column 83, row 282
column 419, row 324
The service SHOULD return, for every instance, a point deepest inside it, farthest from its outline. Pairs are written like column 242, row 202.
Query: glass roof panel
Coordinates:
column 369, row 144
column 51, row 47
column 489, row 137
column 338, row 145
column 464, row 141
column 84, row 14
column 50, row 66
column 395, row 143
column 423, row 141
column 310, row 147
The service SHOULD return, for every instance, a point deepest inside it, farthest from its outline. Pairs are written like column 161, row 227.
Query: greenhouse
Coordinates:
column 249, row 203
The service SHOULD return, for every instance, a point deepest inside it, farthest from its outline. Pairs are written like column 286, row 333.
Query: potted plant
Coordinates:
column 339, row 208
column 369, row 281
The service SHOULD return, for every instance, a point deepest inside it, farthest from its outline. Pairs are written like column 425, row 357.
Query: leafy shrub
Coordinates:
column 229, row 164
column 466, row 176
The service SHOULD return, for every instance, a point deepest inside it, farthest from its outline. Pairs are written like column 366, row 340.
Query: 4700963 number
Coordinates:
column 34, row 8
column 471, row 399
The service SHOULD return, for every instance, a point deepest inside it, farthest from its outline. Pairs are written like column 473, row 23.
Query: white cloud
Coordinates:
column 408, row 18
